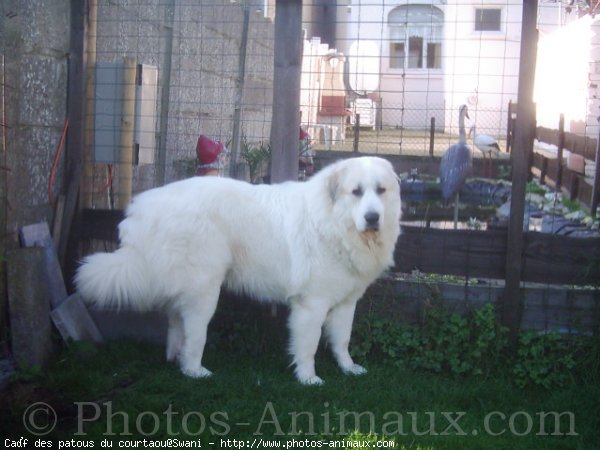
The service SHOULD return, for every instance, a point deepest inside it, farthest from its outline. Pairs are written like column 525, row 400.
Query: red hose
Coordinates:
column 51, row 198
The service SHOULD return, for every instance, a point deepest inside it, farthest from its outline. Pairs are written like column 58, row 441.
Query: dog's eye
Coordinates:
column 380, row 190
column 358, row 192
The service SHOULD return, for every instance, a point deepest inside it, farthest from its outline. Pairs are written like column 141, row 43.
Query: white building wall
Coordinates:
column 481, row 68
column 409, row 97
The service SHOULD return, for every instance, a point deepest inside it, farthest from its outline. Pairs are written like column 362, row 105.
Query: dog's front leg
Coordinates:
column 338, row 329
column 305, row 324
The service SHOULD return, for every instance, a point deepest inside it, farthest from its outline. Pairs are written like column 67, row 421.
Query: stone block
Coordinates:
column 29, row 307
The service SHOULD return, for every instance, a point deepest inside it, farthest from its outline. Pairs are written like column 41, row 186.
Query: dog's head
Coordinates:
column 365, row 193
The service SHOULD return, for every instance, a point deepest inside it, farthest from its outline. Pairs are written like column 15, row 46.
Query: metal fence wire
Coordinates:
column 206, row 67
column 379, row 77
column 189, row 78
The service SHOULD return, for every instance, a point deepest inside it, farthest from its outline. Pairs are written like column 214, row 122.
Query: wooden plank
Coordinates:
column 580, row 145
column 125, row 171
column 452, row 252
column 547, row 258
column 557, row 259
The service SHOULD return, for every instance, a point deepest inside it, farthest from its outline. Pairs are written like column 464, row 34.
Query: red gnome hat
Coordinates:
column 208, row 152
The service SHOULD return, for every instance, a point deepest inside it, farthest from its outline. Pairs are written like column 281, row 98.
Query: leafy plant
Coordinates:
column 257, row 156
column 571, row 205
column 545, row 359
column 533, row 187
column 476, row 344
column 447, row 342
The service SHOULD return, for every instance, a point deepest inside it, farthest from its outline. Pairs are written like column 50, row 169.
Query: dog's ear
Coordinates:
column 333, row 184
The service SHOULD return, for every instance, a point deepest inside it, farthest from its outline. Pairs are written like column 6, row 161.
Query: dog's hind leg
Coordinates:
column 197, row 308
column 305, row 323
column 175, row 337
column 338, row 329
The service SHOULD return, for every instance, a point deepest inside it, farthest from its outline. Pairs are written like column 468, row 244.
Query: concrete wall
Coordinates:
column 201, row 42
column 34, row 38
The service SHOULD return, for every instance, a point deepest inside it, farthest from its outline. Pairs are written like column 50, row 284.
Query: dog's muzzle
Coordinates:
column 372, row 221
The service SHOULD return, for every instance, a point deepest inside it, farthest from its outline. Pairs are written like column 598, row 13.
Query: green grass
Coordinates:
column 393, row 141
column 125, row 391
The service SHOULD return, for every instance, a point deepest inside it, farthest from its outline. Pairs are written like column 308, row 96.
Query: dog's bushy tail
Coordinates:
column 114, row 280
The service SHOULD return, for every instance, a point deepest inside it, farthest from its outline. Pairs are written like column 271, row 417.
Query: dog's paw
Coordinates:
column 311, row 381
column 201, row 372
column 355, row 369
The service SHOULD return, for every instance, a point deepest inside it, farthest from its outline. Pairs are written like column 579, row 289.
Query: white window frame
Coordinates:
column 417, row 23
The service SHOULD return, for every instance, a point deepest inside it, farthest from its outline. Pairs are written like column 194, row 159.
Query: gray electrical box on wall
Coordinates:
column 108, row 109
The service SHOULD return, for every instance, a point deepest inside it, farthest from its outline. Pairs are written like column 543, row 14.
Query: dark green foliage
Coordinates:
column 551, row 360
column 475, row 344
column 447, row 342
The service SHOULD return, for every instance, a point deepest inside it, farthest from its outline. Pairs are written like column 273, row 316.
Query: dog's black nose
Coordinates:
column 372, row 219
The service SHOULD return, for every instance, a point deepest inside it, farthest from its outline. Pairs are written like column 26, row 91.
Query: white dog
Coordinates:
column 315, row 245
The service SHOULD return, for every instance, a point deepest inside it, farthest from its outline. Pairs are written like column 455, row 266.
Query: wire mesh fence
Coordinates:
column 206, row 67
column 196, row 73
column 377, row 77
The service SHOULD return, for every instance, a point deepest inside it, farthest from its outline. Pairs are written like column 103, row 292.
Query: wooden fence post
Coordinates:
column 356, row 133
column 165, row 91
column 432, row 137
column 559, row 153
column 510, row 124
column 286, row 90
column 596, row 188
column 75, row 113
column 236, row 170
column 125, row 174
column 524, row 133
column 87, row 182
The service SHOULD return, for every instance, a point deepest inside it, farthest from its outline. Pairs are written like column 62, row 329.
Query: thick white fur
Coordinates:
column 306, row 244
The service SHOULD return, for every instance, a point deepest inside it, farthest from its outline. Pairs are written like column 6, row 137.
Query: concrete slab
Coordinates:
column 73, row 321
column 29, row 308
column 38, row 235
